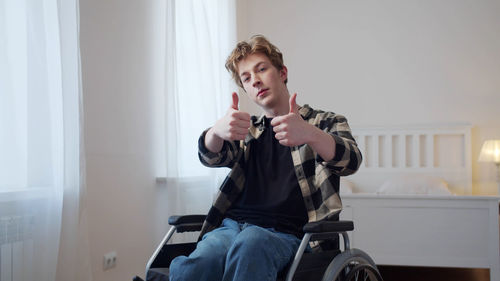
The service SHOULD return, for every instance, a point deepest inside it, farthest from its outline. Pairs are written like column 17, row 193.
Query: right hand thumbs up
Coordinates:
column 234, row 125
column 235, row 101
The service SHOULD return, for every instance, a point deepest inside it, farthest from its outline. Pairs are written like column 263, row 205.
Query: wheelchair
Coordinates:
column 349, row 264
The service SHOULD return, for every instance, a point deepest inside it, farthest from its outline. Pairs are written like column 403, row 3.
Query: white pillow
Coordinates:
column 415, row 184
column 346, row 187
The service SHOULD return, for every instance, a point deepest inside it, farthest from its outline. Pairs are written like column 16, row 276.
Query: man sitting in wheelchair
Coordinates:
column 285, row 171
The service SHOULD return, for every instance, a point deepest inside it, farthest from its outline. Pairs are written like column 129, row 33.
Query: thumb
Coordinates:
column 235, row 101
column 293, row 103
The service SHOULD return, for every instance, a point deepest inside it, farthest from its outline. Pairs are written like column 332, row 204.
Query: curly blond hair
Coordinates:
column 256, row 44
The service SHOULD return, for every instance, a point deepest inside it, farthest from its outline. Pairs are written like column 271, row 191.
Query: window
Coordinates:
column 200, row 35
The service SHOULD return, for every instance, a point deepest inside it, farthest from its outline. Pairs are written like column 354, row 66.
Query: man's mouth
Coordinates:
column 261, row 92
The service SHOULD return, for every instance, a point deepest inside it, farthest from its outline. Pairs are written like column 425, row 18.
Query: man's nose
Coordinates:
column 256, row 81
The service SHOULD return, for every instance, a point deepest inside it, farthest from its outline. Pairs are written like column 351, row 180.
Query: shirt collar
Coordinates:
column 258, row 123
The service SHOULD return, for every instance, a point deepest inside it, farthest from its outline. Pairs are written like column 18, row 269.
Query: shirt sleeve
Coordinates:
column 227, row 157
column 347, row 158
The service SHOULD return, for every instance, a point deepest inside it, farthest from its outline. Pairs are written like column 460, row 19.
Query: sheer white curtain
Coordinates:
column 40, row 138
column 200, row 35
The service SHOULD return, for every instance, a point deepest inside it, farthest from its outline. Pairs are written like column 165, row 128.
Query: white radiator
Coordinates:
column 16, row 248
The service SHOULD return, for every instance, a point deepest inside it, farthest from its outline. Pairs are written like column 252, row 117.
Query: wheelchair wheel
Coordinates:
column 352, row 265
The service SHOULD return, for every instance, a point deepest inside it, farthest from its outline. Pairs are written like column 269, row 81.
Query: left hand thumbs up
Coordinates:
column 293, row 104
column 291, row 129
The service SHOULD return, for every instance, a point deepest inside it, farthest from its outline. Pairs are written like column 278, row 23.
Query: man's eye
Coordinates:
column 262, row 69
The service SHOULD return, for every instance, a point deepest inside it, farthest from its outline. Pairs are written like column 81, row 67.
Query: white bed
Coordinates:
column 412, row 201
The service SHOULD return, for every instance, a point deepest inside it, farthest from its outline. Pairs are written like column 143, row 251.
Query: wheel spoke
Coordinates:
column 354, row 265
column 362, row 272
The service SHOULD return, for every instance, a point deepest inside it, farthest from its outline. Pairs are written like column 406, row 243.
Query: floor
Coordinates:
column 398, row 273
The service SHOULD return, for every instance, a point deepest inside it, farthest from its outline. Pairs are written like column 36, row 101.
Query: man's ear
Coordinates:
column 284, row 73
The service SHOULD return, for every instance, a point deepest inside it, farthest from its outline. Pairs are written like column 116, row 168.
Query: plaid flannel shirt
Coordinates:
column 318, row 179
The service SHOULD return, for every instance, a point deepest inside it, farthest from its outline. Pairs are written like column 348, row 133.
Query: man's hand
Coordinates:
column 233, row 126
column 291, row 129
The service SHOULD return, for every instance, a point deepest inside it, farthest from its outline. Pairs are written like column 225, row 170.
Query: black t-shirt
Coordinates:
column 271, row 196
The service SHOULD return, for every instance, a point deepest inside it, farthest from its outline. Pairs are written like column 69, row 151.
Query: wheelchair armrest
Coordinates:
column 187, row 223
column 328, row 226
column 176, row 220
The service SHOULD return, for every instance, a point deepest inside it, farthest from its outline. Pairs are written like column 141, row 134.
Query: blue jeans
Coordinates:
column 237, row 252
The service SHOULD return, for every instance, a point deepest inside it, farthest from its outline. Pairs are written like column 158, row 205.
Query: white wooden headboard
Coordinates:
column 439, row 151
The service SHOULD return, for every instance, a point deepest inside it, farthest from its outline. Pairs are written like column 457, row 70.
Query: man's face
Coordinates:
column 262, row 81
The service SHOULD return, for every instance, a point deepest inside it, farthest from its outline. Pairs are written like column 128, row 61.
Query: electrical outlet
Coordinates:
column 109, row 260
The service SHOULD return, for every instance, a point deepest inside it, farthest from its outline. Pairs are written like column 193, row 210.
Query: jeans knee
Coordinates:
column 265, row 245
column 251, row 258
column 197, row 268
column 250, row 246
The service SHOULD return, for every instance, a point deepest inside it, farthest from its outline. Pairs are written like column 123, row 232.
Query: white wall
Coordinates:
column 120, row 43
column 391, row 62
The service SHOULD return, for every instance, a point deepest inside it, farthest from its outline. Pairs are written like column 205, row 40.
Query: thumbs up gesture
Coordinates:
column 234, row 105
column 234, row 125
column 291, row 129
column 293, row 104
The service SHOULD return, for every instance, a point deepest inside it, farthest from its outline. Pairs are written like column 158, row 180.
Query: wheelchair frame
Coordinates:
column 348, row 262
